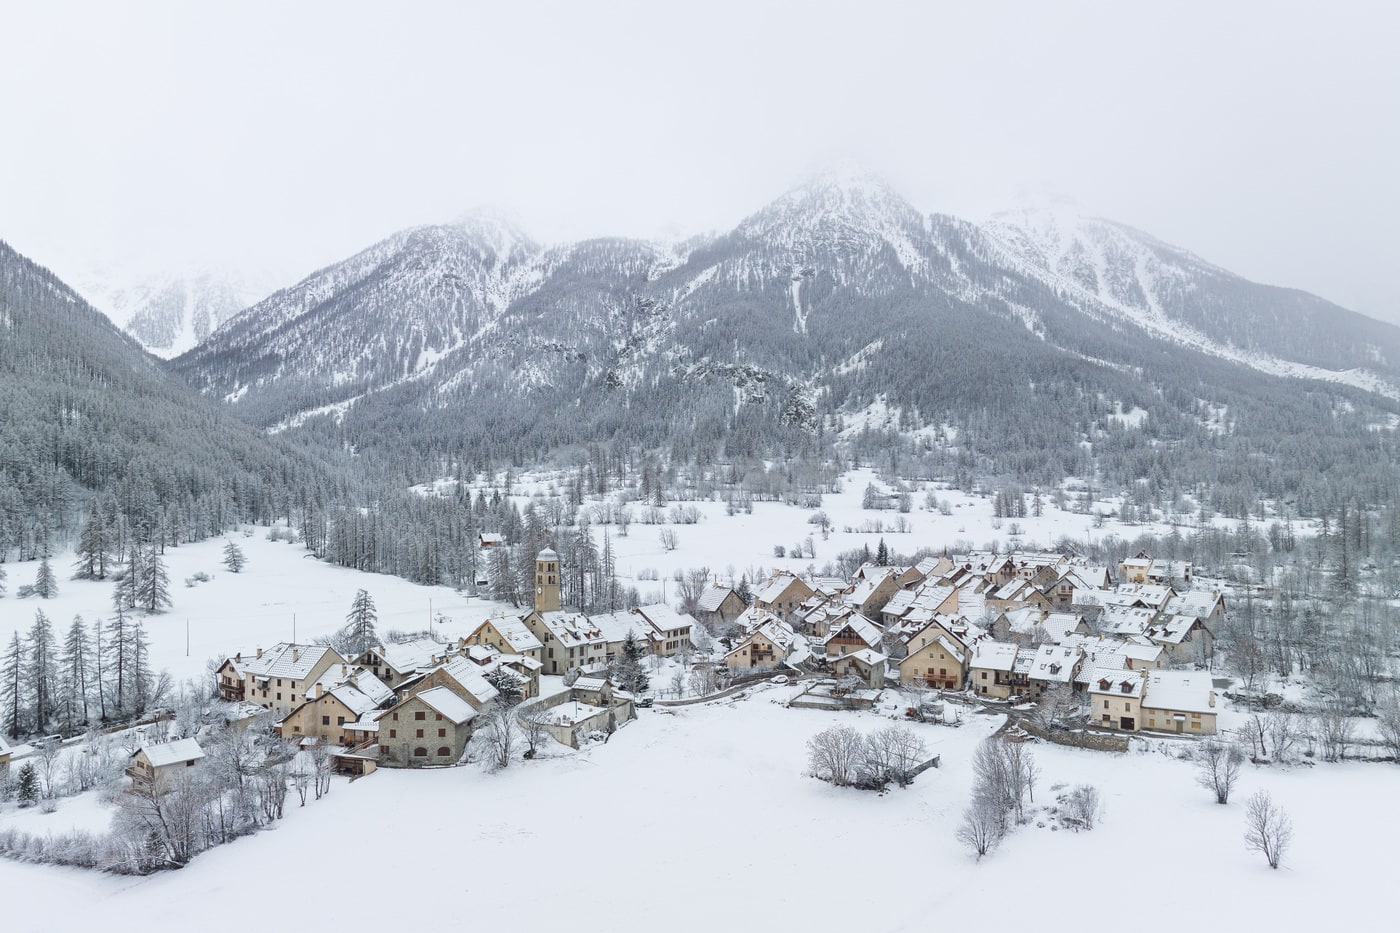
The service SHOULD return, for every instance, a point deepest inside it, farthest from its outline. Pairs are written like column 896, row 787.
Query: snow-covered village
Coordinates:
column 622, row 465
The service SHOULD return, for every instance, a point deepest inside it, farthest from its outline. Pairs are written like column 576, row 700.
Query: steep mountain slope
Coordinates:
column 384, row 315
column 87, row 410
column 1122, row 274
column 171, row 312
column 838, row 308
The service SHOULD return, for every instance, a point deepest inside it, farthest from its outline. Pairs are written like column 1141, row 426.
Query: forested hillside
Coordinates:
column 85, row 412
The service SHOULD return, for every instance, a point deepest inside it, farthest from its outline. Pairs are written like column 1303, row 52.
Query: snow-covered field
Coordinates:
column 702, row 818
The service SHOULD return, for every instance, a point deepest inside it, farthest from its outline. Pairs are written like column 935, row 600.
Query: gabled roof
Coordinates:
column 409, row 656
column 515, row 633
column 713, row 597
column 1186, row 691
column 615, row 626
column 471, row 678
column 1199, row 603
column 864, row 656
column 169, row 753
column 1055, row 664
column 288, row 660
column 1116, row 682
column 443, row 700
column 665, row 619
column 777, row 586
column 864, row 629
column 1060, row 624
column 994, row 655
column 572, row 630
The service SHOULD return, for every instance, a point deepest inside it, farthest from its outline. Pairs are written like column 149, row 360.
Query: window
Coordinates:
column 984, row 677
column 279, row 681
column 279, row 696
column 420, row 715
column 340, row 720
column 439, row 717
column 396, row 717
column 420, row 752
column 444, row 752
column 393, row 733
column 325, row 720
column 419, row 733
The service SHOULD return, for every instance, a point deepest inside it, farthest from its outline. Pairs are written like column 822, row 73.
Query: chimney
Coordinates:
column 296, row 655
column 320, row 690
column 1212, row 699
column 259, row 652
column 344, row 671
column 238, row 658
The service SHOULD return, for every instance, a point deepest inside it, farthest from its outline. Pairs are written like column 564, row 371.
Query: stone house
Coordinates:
column 718, row 606
column 506, row 635
column 463, row 677
column 866, row 665
column 855, row 633
column 425, row 729
column 570, row 640
column 332, row 712
column 278, row 679
column 782, row 594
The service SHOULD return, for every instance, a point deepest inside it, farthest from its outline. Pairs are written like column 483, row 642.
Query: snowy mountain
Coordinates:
column 170, row 312
column 88, row 410
column 838, row 307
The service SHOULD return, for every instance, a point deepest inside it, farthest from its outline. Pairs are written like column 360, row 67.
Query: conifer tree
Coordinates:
column 12, row 687
column 28, row 790
column 359, row 635
column 233, row 558
column 93, row 546
column 76, row 674
column 45, row 583
column 39, row 672
column 153, row 588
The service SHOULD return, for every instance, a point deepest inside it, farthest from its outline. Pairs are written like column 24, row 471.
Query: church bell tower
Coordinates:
column 547, row 581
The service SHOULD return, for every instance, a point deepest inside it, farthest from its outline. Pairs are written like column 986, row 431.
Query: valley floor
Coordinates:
column 702, row 818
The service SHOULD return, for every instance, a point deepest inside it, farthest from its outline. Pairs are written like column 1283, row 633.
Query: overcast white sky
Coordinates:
column 1264, row 136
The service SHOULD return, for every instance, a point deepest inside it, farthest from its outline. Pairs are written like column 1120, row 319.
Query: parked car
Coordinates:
column 645, row 702
column 780, row 679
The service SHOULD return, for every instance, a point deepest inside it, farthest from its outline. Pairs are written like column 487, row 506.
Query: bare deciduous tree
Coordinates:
column 1083, row 807
column 980, row 829
column 1218, row 767
column 1267, row 828
column 836, row 754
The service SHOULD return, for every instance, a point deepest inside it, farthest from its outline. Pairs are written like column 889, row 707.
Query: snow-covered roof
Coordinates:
column 1054, row 664
column 1023, row 621
column 1025, row 659
column 1116, row 682
column 1058, row 625
column 777, row 586
column 443, row 700
column 865, row 656
column 517, row 660
column 4, row 746
column 863, row 628
column 359, row 678
column 516, row 634
column 1185, row 691
column 408, row 656
column 170, row 753
column 712, row 598
column 1127, row 620
column 573, row 630
column 1198, row 603
column 994, row 655
column 615, row 626
column 547, row 554
column 471, row 678
column 664, row 619
column 291, row 661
